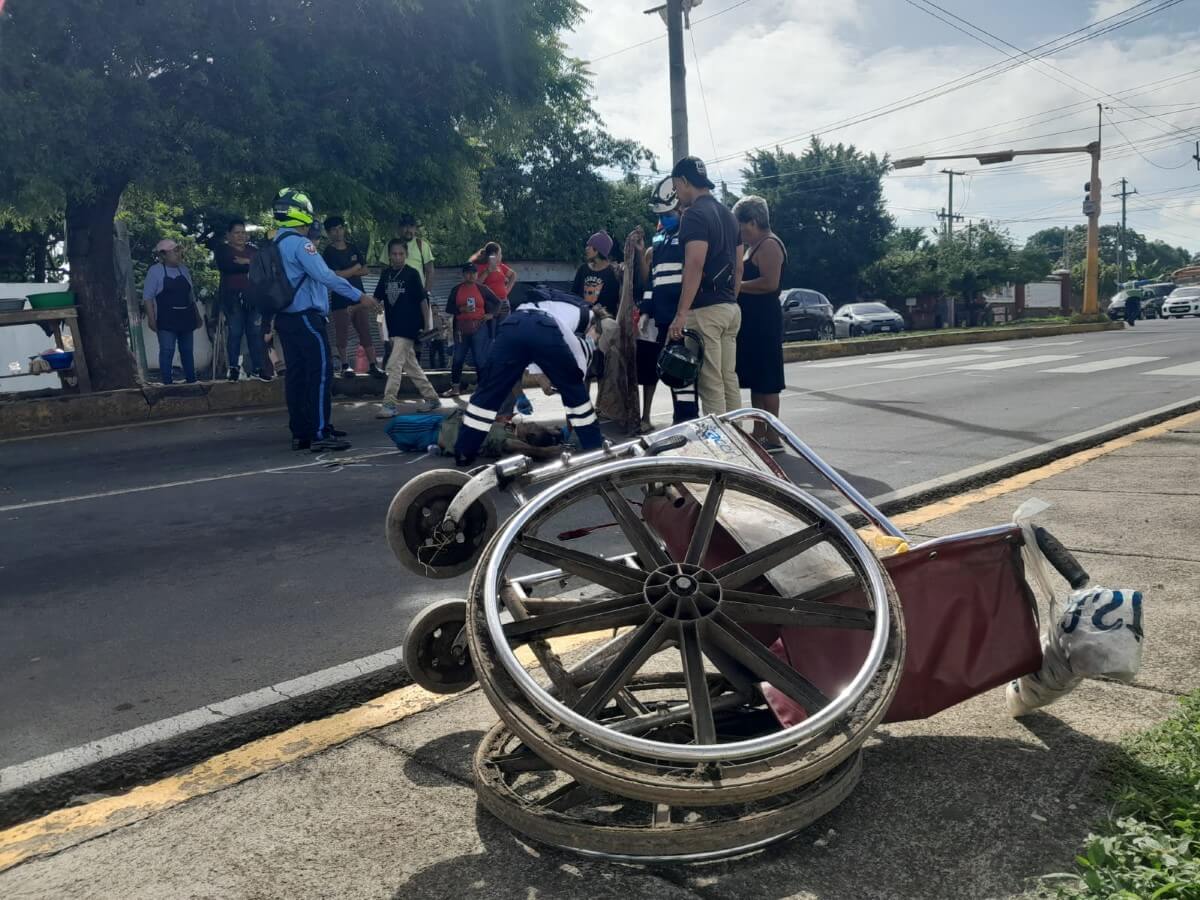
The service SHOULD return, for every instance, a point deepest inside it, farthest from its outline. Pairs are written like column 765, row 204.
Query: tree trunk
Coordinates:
column 40, row 252
column 102, row 314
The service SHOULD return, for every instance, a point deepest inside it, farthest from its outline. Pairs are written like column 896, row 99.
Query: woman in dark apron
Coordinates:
column 760, row 338
column 172, row 311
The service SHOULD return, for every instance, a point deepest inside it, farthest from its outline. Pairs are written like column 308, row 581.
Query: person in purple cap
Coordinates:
column 596, row 280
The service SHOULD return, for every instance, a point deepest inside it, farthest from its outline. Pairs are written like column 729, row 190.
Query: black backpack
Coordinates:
column 270, row 290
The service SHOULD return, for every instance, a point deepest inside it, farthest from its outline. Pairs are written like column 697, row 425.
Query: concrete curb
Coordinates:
column 810, row 351
column 69, row 412
column 120, row 761
column 917, row 495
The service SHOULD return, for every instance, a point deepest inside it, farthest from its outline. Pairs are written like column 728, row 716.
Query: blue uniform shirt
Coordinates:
column 301, row 258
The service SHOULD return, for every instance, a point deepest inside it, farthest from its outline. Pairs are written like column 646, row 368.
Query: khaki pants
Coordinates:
column 718, row 383
column 403, row 359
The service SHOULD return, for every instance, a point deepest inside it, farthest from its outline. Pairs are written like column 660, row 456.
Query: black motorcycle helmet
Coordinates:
column 680, row 361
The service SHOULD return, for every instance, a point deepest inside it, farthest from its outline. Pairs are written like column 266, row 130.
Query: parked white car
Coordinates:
column 1183, row 301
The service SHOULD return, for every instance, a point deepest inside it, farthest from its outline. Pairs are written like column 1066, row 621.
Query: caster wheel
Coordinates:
column 435, row 648
column 414, row 521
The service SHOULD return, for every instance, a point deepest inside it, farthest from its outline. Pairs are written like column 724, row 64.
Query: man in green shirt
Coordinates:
column 420, row 251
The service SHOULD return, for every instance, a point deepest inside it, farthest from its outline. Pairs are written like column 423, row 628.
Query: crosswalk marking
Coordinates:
column 858, row 361
column 1013, row 363
column 1101, row 365
column 938, row 361
column 1041, row 344
column 992, row 349
column 1187, row 369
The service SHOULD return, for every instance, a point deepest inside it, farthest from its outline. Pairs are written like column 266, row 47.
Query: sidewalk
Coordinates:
column 970, row 803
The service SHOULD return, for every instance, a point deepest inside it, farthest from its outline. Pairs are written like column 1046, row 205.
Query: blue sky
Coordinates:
column 776, row 69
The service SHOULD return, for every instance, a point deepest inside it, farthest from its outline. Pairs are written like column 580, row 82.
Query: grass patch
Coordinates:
column 1149, row 848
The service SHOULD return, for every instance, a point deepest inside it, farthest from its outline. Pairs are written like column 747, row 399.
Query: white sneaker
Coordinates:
column 386, row 411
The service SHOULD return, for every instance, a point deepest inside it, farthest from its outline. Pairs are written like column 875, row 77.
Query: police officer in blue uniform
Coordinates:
column 662, row 270
column 548, row 333
column 302, row 326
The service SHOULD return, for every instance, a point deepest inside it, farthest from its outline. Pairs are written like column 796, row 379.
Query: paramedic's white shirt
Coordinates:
column 566, row 316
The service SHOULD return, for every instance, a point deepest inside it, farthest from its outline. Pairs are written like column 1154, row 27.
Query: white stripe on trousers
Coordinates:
column 480, row 413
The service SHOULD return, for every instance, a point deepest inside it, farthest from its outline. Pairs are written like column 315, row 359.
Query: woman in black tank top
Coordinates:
column 760, row 339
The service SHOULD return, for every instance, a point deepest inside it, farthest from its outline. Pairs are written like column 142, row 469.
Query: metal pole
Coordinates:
column 679, row 115
column 1125, row 192
column 1091, row 280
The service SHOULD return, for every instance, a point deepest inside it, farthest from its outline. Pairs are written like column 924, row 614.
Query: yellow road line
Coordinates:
column 65, row 828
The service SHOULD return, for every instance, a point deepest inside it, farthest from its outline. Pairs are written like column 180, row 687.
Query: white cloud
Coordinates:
column 790, row 69
column 1102, row 9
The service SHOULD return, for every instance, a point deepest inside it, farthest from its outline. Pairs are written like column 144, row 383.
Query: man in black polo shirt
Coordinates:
column 712, row 274
column 349, row 262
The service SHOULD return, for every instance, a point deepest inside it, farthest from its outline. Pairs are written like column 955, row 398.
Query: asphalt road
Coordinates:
column 148, row 571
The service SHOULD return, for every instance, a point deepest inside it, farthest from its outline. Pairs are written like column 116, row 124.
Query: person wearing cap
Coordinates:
column 347, row 261
column 473, row 307
column 712, row 275
column 662, row 273
column 596, row 280
column 420, row 251
column 171, row 310
column 301, row 326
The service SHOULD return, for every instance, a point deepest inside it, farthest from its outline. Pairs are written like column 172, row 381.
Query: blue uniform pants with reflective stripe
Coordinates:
column 526, row 337
column 308, row 381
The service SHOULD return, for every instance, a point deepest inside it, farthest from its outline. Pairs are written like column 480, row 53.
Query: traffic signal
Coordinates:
column 1089, row 207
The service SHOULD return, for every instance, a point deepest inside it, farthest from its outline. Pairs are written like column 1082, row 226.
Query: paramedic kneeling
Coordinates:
column 548, row 333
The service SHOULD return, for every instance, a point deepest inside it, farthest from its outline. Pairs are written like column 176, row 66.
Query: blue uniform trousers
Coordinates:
column 526, row 336
column 309, row 377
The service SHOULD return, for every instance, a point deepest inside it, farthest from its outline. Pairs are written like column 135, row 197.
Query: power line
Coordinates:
column 704, row 102
column 930, row 3
column 663, row 37
column 1129, row 141
column 1057, row 45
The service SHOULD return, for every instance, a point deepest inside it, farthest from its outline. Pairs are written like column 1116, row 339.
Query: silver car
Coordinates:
column 855, row 319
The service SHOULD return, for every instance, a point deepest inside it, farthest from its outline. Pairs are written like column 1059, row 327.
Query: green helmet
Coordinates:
column 679, row 363
column 293, row 208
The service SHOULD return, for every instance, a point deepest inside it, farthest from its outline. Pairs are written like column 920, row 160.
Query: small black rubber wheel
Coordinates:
column 414, row 519
column 435, row 648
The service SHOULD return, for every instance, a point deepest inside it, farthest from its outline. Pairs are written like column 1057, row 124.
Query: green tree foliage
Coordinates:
column 541, row 198
column 827, row 207
column 1144, row 258
column 966, row 264
column 372, row 105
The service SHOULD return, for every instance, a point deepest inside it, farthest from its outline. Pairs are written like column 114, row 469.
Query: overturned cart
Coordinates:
column 745, row 638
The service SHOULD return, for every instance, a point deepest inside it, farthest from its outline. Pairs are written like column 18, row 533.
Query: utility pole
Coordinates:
column 1125, row 192
column 1091, row 278
column 947, row 214
column 679, row 115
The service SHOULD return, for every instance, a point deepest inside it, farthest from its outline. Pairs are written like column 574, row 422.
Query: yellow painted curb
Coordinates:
column 65, row 828
column 1021, row 480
